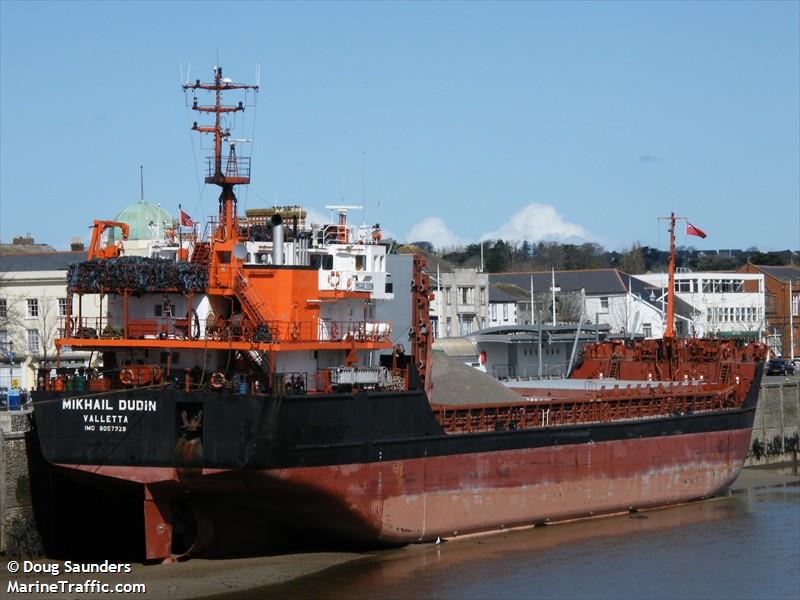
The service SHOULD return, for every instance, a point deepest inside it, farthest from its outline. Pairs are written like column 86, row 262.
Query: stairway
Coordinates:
column 252, row 302
column 614, row 369
column 724, row 372
column 202, row 254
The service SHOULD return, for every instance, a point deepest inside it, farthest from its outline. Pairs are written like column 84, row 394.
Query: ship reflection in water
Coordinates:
column 741, row 546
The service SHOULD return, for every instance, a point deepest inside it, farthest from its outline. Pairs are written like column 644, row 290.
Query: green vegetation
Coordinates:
column 500, row 256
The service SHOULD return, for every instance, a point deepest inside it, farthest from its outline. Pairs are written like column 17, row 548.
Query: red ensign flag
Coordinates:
column 186, row 221
column 692, row 230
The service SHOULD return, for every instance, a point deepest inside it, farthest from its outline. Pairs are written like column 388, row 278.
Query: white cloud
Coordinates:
column 537, row 222
column 433, row 230
column 313, row 216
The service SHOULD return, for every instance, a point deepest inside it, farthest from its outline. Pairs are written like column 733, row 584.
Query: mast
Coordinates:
column 237, row 169
column 669, row 328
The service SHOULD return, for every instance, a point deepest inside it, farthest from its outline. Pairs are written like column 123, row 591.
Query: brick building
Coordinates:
column 782, row 307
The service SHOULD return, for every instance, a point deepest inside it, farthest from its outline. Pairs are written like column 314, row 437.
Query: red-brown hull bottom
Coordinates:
column 418, row 500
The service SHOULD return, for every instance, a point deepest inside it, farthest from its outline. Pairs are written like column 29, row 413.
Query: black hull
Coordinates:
column 259, row 432
column 244, row 440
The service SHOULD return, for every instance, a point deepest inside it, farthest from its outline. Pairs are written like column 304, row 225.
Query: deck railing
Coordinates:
column 237, row 328
column 602, row 407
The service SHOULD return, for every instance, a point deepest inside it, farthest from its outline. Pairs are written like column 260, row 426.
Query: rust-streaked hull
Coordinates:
column 376, row 468
column 422, row 499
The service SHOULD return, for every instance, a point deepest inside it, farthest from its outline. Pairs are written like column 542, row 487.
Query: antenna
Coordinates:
column 141, row 183
column 237, row 169
column 364, row 185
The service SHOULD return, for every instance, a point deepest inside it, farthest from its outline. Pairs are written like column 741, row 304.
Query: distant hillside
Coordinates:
column 500, row 256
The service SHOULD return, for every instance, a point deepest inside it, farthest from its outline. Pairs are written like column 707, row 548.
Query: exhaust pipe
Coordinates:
column 277, row 239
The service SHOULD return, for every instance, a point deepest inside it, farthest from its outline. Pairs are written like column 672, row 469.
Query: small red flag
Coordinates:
column 186, row 221
column 692, row 230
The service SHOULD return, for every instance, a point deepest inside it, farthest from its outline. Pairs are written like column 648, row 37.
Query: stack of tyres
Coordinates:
column 137, row 275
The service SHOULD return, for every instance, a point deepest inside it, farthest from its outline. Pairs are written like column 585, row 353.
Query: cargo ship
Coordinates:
column 247, row 394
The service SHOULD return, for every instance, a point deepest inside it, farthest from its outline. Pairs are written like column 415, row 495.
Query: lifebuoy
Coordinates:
column 334, row 279
column 126, row 376
column 334, row 331
column 217, row 380
column 294, row 332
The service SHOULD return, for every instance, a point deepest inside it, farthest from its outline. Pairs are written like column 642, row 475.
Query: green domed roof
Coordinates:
column 140, row 215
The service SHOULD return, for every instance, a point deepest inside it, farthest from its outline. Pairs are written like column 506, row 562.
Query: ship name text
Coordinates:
column 122, row 404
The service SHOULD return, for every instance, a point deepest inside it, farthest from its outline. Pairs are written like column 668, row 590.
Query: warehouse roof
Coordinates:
column 40, row 261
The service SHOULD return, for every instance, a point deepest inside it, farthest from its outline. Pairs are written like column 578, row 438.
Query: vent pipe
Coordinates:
column 277, row 239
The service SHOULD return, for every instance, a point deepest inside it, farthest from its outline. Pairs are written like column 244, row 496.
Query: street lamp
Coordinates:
column 12, row 396
column 10, row 355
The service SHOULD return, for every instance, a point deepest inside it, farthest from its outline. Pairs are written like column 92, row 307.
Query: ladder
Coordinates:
column 724, row 372
column 614, row 372
column 201, row 254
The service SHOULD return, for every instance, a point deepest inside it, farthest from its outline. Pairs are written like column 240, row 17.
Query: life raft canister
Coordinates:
column 217, row 380
column 126, row 376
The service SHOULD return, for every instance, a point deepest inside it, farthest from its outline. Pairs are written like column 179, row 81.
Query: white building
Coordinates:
column 33, row 303
column 461, row 301
column 720, row 304
column 508, row 305
column 597, row 296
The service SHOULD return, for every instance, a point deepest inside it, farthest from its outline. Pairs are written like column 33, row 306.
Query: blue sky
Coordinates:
column 579, row 121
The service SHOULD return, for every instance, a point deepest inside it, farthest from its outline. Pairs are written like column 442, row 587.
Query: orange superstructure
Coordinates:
column 268, row 289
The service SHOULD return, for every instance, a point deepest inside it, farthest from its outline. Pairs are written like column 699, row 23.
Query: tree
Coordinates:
column 766, row 258
column 47, row 325
column 713, row 262
column 17, row 324
column 632, row 260
column 569, row 307
column 427, row 246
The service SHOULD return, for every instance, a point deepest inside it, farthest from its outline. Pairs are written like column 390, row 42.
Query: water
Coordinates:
column 746, row 545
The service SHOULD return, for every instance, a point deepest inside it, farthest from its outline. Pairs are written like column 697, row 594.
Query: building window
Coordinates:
column 647, row 330
column 33, row 307
column 465, row 326
column 505, row 311
column 3, row 309
column 482, row 296
column 33, row 341
column 493, row 310
column 3, row 340
column 604, row 303
column 448, row 326
column 466, row 295
column 62, row 307
column 449, row 300
column 795, row 305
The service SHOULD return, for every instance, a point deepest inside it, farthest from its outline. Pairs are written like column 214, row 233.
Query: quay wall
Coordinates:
column 19, row 537
column 776, row 429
